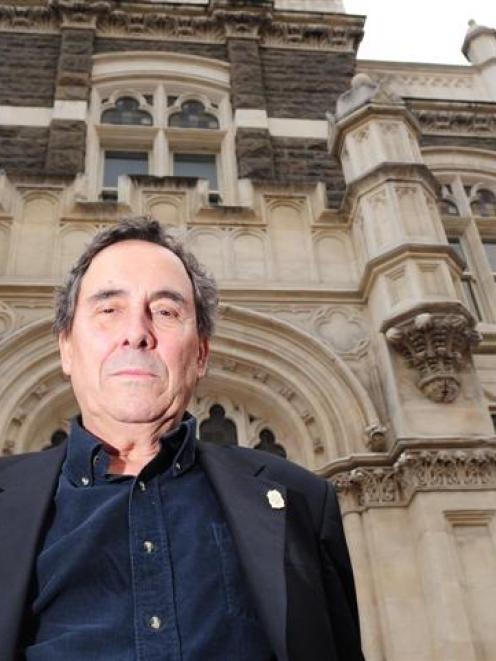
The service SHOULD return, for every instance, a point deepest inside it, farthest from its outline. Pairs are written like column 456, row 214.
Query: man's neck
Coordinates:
column 130, row 446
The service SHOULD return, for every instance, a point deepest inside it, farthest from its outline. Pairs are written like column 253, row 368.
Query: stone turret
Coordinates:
column 409, row 273
column 479, row 48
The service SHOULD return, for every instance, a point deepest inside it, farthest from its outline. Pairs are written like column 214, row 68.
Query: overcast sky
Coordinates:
column 419, row 30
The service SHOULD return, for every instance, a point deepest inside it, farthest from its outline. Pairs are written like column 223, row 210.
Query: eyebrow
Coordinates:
column 105, row 294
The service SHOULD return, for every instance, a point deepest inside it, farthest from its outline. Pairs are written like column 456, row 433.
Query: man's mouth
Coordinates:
column 132, row 371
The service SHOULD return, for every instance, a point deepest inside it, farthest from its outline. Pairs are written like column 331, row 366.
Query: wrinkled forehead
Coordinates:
column 137, row 266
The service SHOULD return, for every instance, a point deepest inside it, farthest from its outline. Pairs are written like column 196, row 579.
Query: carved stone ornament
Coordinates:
column 417, row 470
column 437, row 345
column 459, row 122
column 376, row 437
column 171, row 21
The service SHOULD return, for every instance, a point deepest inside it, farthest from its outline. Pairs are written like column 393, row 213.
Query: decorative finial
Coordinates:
column 361, row 80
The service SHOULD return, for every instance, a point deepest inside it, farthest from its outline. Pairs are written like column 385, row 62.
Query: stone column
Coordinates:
column 67, row 132
column 243, row 25
column 410, row 275
column 370, row 626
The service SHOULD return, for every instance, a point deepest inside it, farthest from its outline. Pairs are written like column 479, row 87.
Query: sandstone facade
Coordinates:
column 351, row 225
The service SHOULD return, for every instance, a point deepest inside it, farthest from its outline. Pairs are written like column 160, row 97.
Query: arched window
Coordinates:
column 449, row 208
column 57, row 438
column 484, row 203
column 268, row 443
column 126, row 111
column 193, row 116
column 217, row 428
column 168, row 117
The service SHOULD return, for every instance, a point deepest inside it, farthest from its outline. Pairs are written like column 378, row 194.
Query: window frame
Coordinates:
column 160, row 140
column 472, row 231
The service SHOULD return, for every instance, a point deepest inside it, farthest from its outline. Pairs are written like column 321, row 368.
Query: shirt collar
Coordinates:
column 87, row 461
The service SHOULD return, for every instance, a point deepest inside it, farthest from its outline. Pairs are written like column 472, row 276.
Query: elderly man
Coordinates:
column 136, row 542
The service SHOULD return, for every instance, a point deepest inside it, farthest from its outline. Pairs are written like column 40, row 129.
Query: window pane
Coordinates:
column 126, row 111
column 485, row 203
column 123, row 162
column 490, row 248
column 449, row 208
column 203, row 166
column 268, row 443
column 218, row 429
column 193, row 116
column 470, row 298
column 456, row 244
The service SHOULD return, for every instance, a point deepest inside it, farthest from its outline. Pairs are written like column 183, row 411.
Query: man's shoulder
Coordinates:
column 281, row 470
column 30, row 460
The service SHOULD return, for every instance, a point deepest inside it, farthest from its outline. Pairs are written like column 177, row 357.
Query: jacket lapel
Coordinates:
column 26, row 489
column 258, row 530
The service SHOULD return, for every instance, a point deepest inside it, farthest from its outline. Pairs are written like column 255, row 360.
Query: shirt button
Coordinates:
column 85, row 481
column 149, row 546
column 155, row 622
column 142, row 485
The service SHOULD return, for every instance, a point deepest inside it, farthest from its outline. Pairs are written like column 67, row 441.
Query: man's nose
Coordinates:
column 138, row 332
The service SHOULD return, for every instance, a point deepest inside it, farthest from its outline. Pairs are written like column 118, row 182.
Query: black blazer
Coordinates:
column 295, row 558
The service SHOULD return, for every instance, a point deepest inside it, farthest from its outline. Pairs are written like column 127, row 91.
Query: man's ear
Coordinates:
column 65, row 349
column 203, row 354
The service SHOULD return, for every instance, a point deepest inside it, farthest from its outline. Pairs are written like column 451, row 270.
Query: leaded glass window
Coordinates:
column 193, row 116
column 268, row 443
column 217, row 428
column 127, row 111
column 484, row 203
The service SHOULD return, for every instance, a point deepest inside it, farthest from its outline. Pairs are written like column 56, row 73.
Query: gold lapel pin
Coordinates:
column 276, row 501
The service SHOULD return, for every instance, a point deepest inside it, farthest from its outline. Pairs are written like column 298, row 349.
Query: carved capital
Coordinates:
column 242, row 22
column 417, row 470
column 79, row 14
column 437, row 345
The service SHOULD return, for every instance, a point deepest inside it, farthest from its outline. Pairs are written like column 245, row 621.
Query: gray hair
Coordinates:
column 142, row 228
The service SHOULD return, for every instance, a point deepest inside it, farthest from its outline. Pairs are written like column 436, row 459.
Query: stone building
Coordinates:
column 348, row 210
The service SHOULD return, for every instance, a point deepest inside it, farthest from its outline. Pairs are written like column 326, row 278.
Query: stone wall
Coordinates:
column 304, row 84
column 308, row 160
column 28, row 66
column 247, row 85
column 23, row 149
column 215, row 51
column 255, row 154
column 458, row 141
column 66, row 147
column 74, row 65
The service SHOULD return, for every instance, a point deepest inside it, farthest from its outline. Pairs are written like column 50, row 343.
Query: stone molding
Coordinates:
column 395, row 485
column 438, row 346
column 456, row 118
column 215, row 24
column 342, row 328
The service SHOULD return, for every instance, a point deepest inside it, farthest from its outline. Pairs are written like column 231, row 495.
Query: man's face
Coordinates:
column 133, row 354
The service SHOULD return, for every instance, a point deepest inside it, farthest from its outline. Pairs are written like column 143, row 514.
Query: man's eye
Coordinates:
column 107, row 310
column 163, row 313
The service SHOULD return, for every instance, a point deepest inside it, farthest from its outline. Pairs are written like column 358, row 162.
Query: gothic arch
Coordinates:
column 318, row 408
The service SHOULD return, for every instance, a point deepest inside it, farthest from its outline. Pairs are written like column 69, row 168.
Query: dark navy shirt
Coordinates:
column 140, row 568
